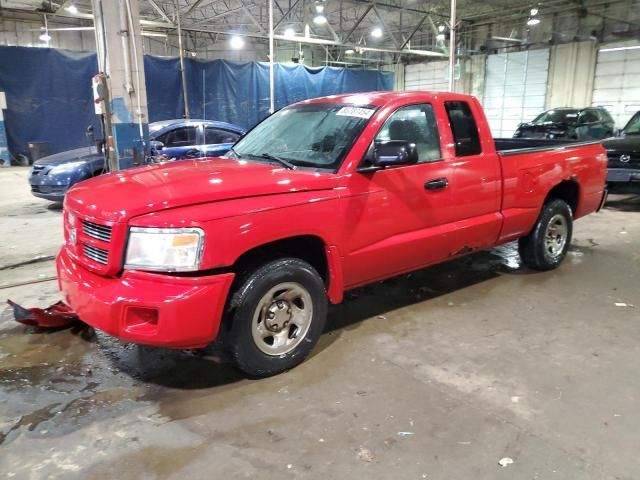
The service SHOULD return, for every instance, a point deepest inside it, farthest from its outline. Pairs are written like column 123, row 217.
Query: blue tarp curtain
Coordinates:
column 49, row 91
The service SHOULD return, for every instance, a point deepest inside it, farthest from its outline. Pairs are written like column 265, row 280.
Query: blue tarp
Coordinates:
column 49, row 92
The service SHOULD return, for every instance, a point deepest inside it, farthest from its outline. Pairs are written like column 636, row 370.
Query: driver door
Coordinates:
column 397, row 216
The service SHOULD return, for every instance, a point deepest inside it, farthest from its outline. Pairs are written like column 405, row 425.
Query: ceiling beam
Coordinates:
column 160, row 11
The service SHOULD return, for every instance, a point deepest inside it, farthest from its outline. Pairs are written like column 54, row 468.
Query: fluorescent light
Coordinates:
column 319, row 19
column 45, row 37
column 71, row 9
column 441, row 28
column 319, row 7
column 349, row 51
column 533, row 21
column 534, row 12
column 617, row 49
column 440, row 37
column 289, row 32
column 236, row 42
column 376, row 32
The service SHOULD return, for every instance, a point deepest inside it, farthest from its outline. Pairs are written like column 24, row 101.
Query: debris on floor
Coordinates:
column 55, row 316
column 365, row 454
column 505, row 462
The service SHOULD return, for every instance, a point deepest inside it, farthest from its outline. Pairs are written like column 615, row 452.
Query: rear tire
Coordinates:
column 547, row 244
column 275, row 317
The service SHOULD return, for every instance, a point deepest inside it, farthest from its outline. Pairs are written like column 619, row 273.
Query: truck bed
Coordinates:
column 515, row 146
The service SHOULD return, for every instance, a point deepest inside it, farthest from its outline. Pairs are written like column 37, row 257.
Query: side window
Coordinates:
column 181, row 137
column 588, row 116
column 464, row 129
column 214, row 135
column 415, row 124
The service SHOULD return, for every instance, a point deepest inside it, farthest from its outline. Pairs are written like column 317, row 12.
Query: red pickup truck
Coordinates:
column 321, row 197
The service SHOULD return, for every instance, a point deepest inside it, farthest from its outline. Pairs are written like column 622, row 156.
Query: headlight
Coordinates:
column 164, row 249
column 66, row 167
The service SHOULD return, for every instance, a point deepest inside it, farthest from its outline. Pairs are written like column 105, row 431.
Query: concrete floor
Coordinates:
column 437, row 375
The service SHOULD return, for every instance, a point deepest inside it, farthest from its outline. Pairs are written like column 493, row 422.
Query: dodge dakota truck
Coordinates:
column 321, row 197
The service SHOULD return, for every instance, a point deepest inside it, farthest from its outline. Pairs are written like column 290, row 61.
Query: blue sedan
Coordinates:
column 52, row 176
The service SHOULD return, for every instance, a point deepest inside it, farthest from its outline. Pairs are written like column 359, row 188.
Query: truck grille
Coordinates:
column 94, row 230
column 96, row 254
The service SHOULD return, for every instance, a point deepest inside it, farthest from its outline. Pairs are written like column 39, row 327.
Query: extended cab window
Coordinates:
column 415, row 124
column 463, row 126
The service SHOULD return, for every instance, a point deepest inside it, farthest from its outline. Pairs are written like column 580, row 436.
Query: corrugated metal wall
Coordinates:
column 427, row 76
column 515, row 89
column 617, row 82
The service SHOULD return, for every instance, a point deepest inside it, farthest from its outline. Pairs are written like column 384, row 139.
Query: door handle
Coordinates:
column 436, row 184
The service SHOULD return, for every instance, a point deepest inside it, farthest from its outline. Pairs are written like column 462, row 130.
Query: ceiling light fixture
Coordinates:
column 319, row 19
column 441, row 28
column 349, row 51
column 534, row 12
column 376, row 32
column 618, row 49
column 44, row 36
column 289, row 32
column 72, row 9
column 236, row 42
column 533, row 21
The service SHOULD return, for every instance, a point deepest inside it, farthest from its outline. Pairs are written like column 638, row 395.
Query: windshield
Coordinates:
column 633, row 127
column 557, row 116
column 313, row 135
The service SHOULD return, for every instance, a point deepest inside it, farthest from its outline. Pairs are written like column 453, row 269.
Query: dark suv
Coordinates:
column 624, row 155
column 591, row 123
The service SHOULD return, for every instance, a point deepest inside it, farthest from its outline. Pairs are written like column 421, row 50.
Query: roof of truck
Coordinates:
column 379, row 98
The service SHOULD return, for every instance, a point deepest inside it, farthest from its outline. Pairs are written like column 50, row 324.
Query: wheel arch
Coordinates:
column 313, row 249
column 567, row 190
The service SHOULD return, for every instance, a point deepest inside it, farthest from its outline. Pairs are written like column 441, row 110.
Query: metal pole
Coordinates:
column 272, row 100
column 185, row 96
column 452, row 46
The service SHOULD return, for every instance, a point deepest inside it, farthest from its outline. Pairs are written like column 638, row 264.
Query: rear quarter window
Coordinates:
column 464, row 129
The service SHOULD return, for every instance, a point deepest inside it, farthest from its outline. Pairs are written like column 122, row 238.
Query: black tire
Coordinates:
column 534, row 249
column 250, row 292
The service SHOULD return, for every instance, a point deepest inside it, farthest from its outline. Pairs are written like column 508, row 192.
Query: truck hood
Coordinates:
column 120, row 196
column 84, row 153
column 629, row 144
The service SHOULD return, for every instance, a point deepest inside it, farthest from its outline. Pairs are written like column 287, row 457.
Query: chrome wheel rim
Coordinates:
column 282, row 319
column 555, row 237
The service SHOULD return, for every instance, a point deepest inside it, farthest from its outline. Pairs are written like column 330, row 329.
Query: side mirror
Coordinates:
column 394, row 152
column 156, row 145
column 90, row 137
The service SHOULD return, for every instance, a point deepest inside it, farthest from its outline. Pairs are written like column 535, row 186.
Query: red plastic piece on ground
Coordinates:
column 57, row 315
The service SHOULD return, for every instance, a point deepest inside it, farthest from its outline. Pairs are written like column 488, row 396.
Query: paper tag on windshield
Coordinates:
column 355, row 112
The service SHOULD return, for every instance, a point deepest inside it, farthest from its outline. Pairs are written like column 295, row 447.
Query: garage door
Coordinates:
column 515, row 89
column 432, row 76
column 617, row 83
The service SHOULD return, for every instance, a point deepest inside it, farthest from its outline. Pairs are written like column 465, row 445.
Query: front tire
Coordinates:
column 547, row 245
column 276, row 316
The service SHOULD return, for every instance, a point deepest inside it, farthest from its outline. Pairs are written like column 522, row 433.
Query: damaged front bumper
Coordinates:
column 147, row 308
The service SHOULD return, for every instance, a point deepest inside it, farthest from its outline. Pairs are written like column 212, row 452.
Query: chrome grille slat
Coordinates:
column 96, row 254
column 101, row 232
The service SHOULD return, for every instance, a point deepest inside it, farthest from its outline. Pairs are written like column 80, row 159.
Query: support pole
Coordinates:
column 185, row 95
column 272, row 100
column 452, row 46
column 122, row 96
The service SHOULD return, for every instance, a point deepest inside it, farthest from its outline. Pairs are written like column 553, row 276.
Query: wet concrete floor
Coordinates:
column 439, row 375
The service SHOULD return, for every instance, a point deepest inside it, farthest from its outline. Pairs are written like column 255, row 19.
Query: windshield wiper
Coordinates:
column 281, row 161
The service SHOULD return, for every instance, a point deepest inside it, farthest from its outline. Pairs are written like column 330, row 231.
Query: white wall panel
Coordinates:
column 617, row 82
column 427, row 76
column 515, row 89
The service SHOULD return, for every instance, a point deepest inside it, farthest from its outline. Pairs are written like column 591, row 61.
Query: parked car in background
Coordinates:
column 53, row 175
column 321, row 197
column 591, row 123
column 624, row 155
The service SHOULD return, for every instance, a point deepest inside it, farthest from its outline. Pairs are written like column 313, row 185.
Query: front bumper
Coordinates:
column 623, row 175
column 147, row 308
